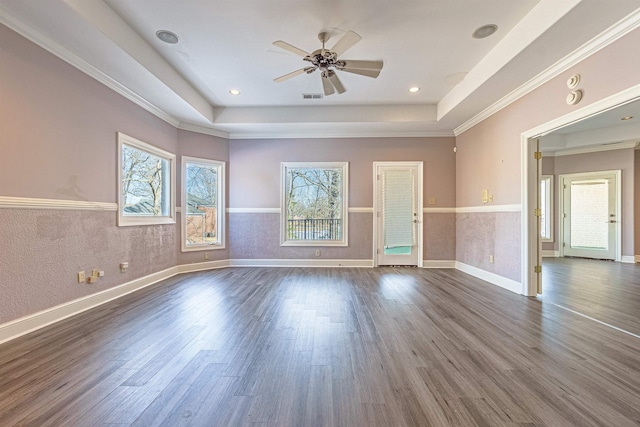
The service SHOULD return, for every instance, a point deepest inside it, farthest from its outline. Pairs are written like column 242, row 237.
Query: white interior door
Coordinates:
column 398, row 213
column 590, row 215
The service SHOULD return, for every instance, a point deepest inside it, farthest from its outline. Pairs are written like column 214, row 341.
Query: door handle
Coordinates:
column 612, row 221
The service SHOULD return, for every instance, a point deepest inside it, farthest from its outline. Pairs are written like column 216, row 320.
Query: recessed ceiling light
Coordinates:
column 414, row 89
column 485, row 31
column 234, row 92
column 167, row 36
column 627, row 118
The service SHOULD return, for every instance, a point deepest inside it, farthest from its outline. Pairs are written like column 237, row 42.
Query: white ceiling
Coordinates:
column 228, row 45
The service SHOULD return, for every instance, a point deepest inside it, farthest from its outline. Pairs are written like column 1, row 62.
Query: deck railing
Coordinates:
column 315, row 229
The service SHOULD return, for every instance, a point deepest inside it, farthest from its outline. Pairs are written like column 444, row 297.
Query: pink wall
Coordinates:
column 489, row 153
column 60, row 125
column 255, row 183
column 255, row 171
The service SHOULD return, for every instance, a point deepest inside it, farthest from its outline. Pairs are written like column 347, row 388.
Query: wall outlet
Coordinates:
column 95, row 273
column 317, row 252
column 124, row 266
column 490, row 259
column 432, row 200
column 206, row 256
column 81, row 277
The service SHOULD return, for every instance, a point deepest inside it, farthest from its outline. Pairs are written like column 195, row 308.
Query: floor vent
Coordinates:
column 311, row 96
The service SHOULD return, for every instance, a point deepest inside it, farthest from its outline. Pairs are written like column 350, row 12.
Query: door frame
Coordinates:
column 419, row 203
column 529, row 237
column 618, row 207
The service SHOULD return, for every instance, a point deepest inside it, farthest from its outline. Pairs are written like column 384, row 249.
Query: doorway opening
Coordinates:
column 531, row 170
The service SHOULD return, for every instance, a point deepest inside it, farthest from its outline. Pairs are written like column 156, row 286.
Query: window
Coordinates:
column 546, row 208
column 314, row 204
column 203, row 209
column 146, row 183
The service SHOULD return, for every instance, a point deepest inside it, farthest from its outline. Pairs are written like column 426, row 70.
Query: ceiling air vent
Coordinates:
column 312, row 96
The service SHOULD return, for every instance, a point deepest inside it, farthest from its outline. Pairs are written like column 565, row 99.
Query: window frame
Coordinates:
column 344, row 167
column 221, row 208
column 170, row 191
column 548, row 204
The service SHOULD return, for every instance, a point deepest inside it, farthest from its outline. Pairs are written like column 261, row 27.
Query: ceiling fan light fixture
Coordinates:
column 485, row 31
column 414, row 89
column 234, row 92
column 167, row 36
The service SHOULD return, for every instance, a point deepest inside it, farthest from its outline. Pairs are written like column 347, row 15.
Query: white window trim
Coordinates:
column 125, row 220
column 345, row 202
column 549, row 204
column 221, row 211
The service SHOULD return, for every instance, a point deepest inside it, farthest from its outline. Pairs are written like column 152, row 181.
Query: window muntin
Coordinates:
column 546, row 208
column 314, row 204
column 146, row 183
column 203, row 206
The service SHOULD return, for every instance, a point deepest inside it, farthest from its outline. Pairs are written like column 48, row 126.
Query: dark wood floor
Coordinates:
column 604, row 290
column 314, row 347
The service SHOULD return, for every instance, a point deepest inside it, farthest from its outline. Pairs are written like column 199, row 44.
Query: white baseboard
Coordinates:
column 492, row 278
column 201, row 266
column 301, row 263
column 631, row 259
column 436, row 263
column 35, row 321
column 550, row 253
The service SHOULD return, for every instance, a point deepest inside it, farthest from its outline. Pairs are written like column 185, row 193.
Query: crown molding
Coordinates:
column 604, row 39
column 74, row 60
column 203, row 130
column 321, row 135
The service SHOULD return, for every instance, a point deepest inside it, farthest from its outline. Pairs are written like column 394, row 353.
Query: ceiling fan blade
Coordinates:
column 346, row 42
column 363, row 65
column 290, row 75
column 368, row 73
column 290, row 48
column 327, row 86
column 335, row 81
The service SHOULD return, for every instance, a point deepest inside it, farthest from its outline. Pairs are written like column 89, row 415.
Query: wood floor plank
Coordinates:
column 330, row 346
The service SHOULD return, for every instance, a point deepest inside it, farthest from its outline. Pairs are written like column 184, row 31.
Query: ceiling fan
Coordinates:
column 326, row 60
